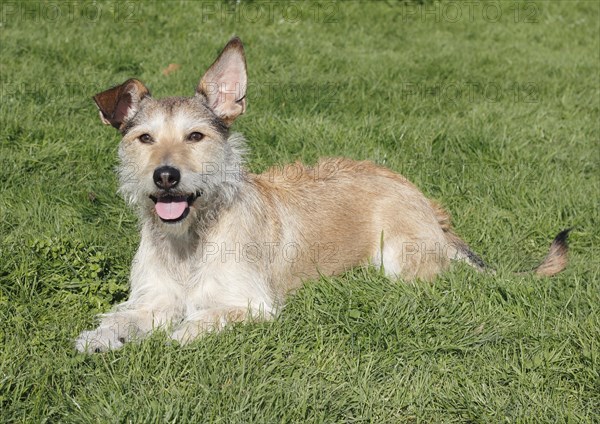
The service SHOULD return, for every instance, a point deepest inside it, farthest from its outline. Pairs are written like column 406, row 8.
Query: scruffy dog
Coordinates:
column 220, row 244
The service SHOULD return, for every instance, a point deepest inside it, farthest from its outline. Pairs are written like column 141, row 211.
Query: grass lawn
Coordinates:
column 490, row 108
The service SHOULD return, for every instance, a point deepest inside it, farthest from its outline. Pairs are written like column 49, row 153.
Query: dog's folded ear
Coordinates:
column 120, row 103
column 224, row 84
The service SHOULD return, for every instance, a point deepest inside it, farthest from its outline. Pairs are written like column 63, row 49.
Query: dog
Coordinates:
column 220, row 244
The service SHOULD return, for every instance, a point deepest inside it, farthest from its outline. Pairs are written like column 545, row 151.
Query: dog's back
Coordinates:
column 342, row 213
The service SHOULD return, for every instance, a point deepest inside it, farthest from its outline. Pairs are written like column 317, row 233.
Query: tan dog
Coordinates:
column 220, row 244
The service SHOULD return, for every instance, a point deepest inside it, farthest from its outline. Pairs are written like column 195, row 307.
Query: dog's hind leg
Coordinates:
column 403, row 259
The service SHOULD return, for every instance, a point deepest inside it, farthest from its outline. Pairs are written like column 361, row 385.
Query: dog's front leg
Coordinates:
column 154, row 302
column 117, row 328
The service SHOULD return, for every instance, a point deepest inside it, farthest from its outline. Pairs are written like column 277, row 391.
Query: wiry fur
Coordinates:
column 248, row 240
column 556, row 259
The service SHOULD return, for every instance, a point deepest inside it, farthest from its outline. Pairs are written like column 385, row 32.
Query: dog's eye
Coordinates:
column 195, row 136
column 145, row 138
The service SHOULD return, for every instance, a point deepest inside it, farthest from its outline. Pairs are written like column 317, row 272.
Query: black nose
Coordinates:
column 166, row 177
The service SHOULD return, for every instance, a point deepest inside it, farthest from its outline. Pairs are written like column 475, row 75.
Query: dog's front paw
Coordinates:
column 99, row 340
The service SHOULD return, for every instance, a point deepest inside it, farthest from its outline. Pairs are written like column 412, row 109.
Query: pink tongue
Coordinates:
column 170, row 210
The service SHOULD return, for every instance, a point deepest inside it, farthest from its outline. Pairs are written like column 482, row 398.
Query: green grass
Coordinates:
column 497, row 120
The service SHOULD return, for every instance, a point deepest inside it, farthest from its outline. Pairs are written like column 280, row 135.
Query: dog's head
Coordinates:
column 177, row 152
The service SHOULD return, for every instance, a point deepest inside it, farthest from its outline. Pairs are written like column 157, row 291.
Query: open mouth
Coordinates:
column 172, row 208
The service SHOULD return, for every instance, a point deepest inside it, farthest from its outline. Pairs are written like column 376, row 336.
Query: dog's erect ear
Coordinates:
column 224, row 84
column 120, row 103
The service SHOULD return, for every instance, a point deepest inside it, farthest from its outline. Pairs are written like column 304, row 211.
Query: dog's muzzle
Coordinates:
column 171, row 206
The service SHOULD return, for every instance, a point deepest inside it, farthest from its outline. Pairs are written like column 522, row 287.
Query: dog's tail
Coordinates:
column 554, row 262
column 556, row 259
